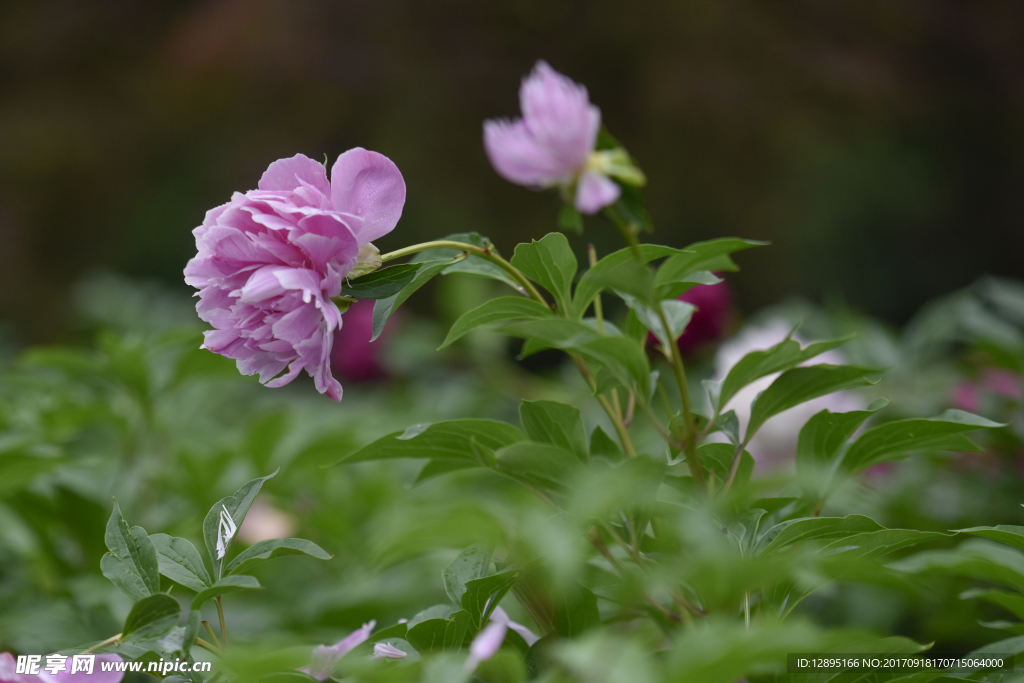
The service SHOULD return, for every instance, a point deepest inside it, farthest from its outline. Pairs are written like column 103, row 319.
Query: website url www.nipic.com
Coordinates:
column 32, row 664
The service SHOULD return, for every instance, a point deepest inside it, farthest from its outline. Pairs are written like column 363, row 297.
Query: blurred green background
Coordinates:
column 877, row 144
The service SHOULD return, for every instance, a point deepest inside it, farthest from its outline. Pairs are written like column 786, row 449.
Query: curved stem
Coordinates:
column 207, row 646
column 109, row 641
column 474, row 250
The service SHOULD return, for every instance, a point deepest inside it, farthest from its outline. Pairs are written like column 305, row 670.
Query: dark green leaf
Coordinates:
column 1011, row 602
column 229, row 584
column 757, row 364
column 976, row 559
column 448, row 441
column 385, row 308
column 800, row 385
column 538, row 464
column 496, row 310
column 180, row 562
column 383, row 283
column 394, row 631
column 471, row 265
column 813, row 528
column 472, row 563
column 606, row 272
column 712, row 255
column 821, row 440
column 575, row 610
column 437, row 468
column 558, row 424
column 483, row 595
column 440, row 635
column 132, row 564
column 551, row 263
column 258, row 553
column 188, row 639
column 1004, row 533
column 237, row 506
column 152, row 616
column 875, row 544
column 718, row 457
column 603, row 445
column 893, row 439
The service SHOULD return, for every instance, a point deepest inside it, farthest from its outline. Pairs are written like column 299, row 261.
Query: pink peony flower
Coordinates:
column 270, row 260
column 552, row 145
column 486, row 644
column 354, row 356
column 326, row 657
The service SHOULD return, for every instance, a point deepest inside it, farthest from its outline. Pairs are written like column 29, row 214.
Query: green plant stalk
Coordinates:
column 474, row 250
column 213, row 636
column 109, row 641
column 223, row 628
column 207, row 646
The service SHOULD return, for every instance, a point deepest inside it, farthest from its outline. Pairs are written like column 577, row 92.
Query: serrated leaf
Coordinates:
column 381, row 284
column 180, row 562
column 799, row 385
column 495, row 311
column 757, row 364
column 814, row 528
column 441, row 441
column 551, row 263
column 440, row 635
column 604, row 273
column 260, row 552
column 558, row 424
column 229, row 584
column 132, row 564
column 472, row 563
column 898, row 437
column 237, row 505
column 483, row 595
column 383, row 309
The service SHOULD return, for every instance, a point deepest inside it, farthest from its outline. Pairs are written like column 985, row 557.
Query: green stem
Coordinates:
column 207, row 646
column 483, row 253
column 223, row 628
column 692, row 457
column 109, row 641
column 213, row 636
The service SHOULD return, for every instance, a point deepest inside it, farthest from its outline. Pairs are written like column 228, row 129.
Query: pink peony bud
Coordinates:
column 326, row 657
column 552, row 144
column 486, row 644
column 270, row 260
column 354, row 356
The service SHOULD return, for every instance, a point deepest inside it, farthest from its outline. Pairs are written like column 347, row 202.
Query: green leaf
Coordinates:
column 494, row 311
column 893, row 439
column 188, row 639
column 558, row 424
column 875, row 544
column 152, row 616
column 229, row 584
column 757, row 364
column 575, row 610
column 604, row 445
column 237, row 505
column 471, row 265
column 393, row 631
column 381, row 284
column 677, row 314
column 538, row 464
column 472, row 563
column 437, row 468
column 630, row 207
column 1004, row 533
column 717, row 457
column 17, row 470
column 551, row 263
column 440, row 635
column 132, row 564
column 484, row 594
column 1011, row 602
column 441, row 441
column 712, row 255
column 976, row 559
column 606, row 273
column 800, row 385
column 814, row 528
column 821, row 440
column 180, row 562
column 385, row 308
column 258, row 553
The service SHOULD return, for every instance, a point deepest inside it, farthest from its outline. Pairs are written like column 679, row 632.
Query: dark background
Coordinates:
column 878, row 144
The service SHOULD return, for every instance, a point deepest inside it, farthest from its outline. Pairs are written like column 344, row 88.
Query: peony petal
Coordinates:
column 594, row 192
column 486, row 644
column 369, row 185
column 501, row 616
column 558, row 113
column 518, row 158
column 387, row 651
column 285, row 175
column 326, row 657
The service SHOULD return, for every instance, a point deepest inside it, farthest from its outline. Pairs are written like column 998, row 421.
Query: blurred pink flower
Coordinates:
column 501, row 616
column 388, row 651
column 270, row 260
column 354, row 356
column 965, row 396
column 551, row 145
column 486, row 644
column 710, row 322
column 1002, row 383
column 326, row 657
column 264, row 522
